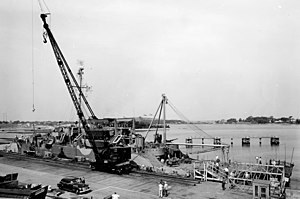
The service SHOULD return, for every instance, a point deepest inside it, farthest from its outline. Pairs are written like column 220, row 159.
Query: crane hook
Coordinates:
column 45, row 37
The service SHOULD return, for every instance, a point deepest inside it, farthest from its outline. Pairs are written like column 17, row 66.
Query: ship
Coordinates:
column 69, row 143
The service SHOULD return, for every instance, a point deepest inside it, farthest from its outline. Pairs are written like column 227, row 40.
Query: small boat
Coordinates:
column 246, row 141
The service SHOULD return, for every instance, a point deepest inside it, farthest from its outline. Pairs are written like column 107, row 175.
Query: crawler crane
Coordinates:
column 110, row 145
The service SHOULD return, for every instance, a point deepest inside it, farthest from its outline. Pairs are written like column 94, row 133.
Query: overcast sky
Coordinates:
column 213, row 59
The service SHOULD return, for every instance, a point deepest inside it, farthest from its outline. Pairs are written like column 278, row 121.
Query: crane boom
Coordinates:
column 66, row 71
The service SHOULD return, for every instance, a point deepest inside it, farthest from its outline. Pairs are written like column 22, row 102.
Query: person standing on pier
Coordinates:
column 259, row 160
column 115, row 196
column 160, row 189
column 223, row 184
column 226, row 170
column 217, row 167
column 165, row 192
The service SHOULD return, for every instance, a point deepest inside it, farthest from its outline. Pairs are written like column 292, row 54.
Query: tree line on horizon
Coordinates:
column 261, row 120
column 249, row 120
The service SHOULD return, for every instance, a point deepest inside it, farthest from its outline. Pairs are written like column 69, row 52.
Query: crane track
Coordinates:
column 86, row 166
column 51, row 162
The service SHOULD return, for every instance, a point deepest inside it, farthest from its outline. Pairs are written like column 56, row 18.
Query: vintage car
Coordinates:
column 74, row 184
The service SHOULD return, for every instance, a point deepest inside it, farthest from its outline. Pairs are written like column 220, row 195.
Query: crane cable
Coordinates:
column 47, row 12
column 32, row 46
column 32, row 55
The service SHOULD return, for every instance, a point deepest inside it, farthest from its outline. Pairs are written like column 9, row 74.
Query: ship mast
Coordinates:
column 162, row 110
column 80, row 75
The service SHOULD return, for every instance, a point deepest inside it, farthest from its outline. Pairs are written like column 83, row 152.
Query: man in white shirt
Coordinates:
column 226, row 171
column 115, row 196
column 160, row 189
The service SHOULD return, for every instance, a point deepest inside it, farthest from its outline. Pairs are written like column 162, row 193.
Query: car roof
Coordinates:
column 70, row 178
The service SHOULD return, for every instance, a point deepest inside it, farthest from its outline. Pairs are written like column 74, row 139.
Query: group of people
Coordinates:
column 225, row 170
column 225, row 178
column 163, row 189
column 258, row 160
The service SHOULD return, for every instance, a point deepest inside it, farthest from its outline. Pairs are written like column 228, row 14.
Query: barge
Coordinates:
column 11, row 188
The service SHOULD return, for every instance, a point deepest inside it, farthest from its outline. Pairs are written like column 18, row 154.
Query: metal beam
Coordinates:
column 191, row 144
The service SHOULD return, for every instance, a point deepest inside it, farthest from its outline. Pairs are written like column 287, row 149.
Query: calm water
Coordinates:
column 289, row 136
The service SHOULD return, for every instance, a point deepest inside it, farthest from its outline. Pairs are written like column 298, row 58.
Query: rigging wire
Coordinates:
column 196, row 128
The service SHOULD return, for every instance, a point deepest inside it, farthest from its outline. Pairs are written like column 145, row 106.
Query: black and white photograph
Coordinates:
column 131, row 99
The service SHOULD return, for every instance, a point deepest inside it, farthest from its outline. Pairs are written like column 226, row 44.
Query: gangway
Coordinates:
column 209, row 171
column 240, row 176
